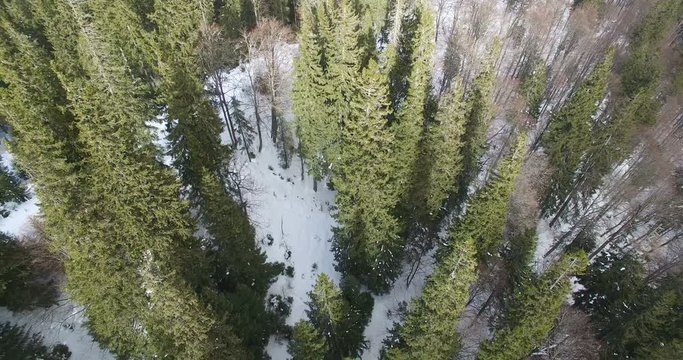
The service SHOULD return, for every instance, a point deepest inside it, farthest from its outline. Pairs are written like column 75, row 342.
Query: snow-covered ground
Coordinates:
column 300, row 221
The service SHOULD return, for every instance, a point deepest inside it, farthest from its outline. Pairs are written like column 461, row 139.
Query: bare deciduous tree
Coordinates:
column 266, row 42
column 218, row 54
column 573, row 338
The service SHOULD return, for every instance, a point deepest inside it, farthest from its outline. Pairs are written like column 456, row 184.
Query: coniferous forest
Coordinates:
column 341, row 179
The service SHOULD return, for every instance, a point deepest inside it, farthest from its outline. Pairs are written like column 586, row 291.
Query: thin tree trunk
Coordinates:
column 301, row 157
column 218, row 79
column 273, row 121
column 285, row 154
column 256, row 113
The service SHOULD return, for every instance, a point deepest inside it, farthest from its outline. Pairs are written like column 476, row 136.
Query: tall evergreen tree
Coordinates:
column 335, row 326
column 532, row 314
column 240, row 275
column 488, row 210
column 429, row 328
column 518, row 257
column 342, row 57
column 194, row 126
column 612, row 284
column 637, row 108
column 307, row 343
column 479, row 115
column 367, row 244
column 534, row 84
column 441, row 154
column 637, row 319
column 202, row 162
column 125, row 216
column 654, row 327
column 410, row 125
column 568, row 135
column 319, row 133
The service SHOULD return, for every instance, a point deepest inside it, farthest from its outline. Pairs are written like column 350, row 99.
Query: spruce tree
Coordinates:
column 307, row 343
column 367, row 244
column 519, row 255
column 342, row 58
column 568, row 135
column 139, row 237
column 429, row 328
column 335, row 326
column 318, row 132
column 239, row 273
column 613, row 283
column 653, row 329
column 194, row 126
column 479, row 115
column 534, row 84
column 616, row 138
column 532, row 314
column 638, row 318
column 487, row 212
column 442, row 152
column 410, row 125
column 202, row 162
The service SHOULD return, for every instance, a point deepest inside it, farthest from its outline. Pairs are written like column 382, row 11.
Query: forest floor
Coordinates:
column 300, row 222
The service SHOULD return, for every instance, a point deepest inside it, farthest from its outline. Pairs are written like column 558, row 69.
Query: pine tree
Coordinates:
column 614, row 140
column 636, row 319
column 643, row 67
column 640, row 75
column 568, row 135
column 47, row 150
column 137, row 46
column 230, row 17
column 612, row 281
column 367, row 244
column 532, row 314
column 307, row 343
column 655, row 326
column 409, row 128
column 519, row 255
column 399, row 35
column 480, row 108
column 239, row 274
